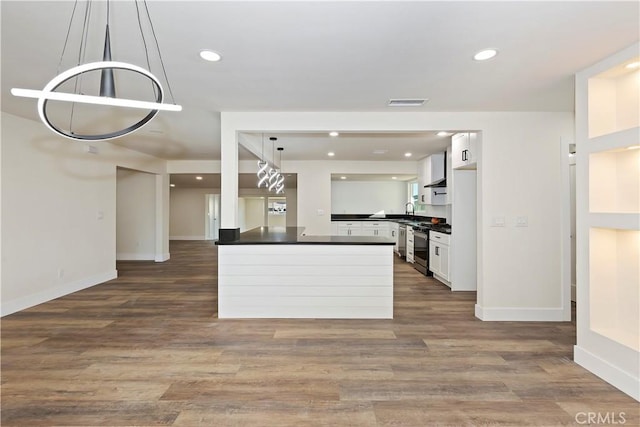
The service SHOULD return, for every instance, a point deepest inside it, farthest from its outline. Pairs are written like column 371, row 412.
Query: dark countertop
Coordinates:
column 442, row 227
column 293, row 236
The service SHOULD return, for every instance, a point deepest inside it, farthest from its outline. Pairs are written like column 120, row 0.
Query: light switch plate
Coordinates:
column 522, row 221
column 320, row 212
column 498, row 221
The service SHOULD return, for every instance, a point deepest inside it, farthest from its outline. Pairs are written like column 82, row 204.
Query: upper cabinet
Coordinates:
column 464, row 150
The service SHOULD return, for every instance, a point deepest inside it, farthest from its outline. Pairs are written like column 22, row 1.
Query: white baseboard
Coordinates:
column 573, row 292
column 187, row 238
column 124, row 256
column 13, row 306
column 622, row 380
column 163, row 257
column 519, row 314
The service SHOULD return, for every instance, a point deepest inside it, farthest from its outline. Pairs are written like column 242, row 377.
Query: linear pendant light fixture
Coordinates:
column 280, row 181
column 262, row 173
column 273, row 171
column 107, row 94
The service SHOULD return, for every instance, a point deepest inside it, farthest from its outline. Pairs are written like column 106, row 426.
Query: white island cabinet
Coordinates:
column 276, row 272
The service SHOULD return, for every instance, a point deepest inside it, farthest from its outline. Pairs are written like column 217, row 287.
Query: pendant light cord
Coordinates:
column 144, row 42
column 82, row 53
column 66, row 39
column 164, row 71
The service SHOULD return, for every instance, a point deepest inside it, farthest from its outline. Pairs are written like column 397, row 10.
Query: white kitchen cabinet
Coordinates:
column 376, row 229
column 409, row 249
column 464, row 150
column 463, row 238
column 439, row 256
column 349, row 228
column 394, row 229
column 433, row 196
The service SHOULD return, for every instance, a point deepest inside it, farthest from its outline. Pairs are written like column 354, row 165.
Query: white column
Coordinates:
column 162, row 217
column 229, row 179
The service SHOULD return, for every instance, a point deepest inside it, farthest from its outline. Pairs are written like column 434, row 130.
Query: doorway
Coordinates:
column 212, row 215
column 277, row 214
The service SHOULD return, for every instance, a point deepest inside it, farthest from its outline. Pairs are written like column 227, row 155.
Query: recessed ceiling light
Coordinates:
column 334, row 133
column 331, row 154
column 209, row 55
column 485, row 54
column 394, row 177
column 634, row 147
column 199, row 178
column 407, row 154
column 443, row 133
column 633, row 65
column 406, row 102
column 172, row 185
column 343, row 177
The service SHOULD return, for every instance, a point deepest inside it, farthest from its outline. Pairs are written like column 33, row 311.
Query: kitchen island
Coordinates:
column 281, row 273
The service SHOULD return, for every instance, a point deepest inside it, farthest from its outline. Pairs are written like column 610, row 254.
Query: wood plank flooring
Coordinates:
column 147, row 349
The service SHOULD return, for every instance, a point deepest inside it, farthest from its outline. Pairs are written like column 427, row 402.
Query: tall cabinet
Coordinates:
column 608, row 220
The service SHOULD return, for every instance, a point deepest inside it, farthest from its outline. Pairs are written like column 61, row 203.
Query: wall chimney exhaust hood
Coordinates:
column 435, row 170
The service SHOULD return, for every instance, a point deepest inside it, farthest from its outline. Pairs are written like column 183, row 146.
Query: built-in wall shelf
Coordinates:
column 613, row 99
column 614, row 277
column 620, row 221
column 608, row 219
column 614, row 181
column 615, row 140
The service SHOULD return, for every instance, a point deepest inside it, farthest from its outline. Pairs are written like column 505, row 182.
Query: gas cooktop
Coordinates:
column 426, row 226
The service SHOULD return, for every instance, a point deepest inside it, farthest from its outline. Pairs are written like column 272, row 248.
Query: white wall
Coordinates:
column 58, row 212
column 254, row 210
column 519, row 272
column 188, row 213
column 135, row 215
column 367, row 197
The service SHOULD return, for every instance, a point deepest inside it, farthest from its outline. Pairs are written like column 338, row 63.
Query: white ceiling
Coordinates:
column 321, row 56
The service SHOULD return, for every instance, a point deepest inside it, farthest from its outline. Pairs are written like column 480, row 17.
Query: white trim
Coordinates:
column 565, row 228
column 615, row 376
column 162, row 257
column 13, row 306
column 519, row 314
column 124, row 256
column 187, row 238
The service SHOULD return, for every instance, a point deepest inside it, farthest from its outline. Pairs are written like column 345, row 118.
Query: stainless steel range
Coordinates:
column 421, row 250
column 421, row 244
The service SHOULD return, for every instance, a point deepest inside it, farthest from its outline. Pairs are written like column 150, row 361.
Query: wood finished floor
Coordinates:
column 147, row 349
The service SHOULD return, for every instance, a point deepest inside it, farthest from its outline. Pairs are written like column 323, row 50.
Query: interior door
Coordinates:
column 212, row 215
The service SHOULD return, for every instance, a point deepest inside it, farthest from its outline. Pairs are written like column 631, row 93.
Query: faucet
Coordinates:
column 406, row 209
